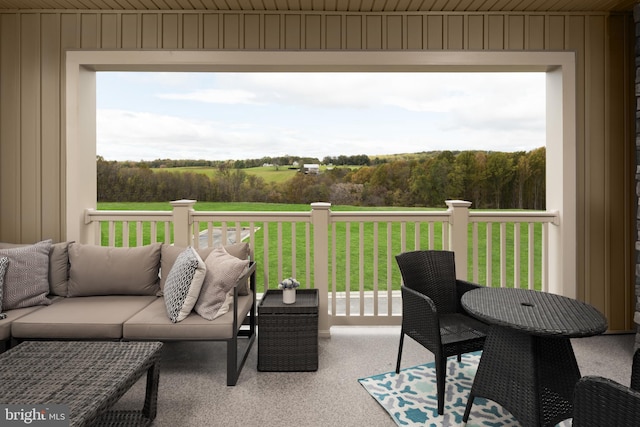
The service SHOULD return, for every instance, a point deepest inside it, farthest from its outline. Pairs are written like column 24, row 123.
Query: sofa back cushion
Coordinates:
column 26, row 281
column 58, row 266
column 101, row 270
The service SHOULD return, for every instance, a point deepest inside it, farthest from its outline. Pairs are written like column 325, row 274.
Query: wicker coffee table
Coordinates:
column 87, row 377
column 528, row 365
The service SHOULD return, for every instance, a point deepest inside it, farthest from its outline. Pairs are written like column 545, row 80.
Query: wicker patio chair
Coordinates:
column 600, row 401
column 431, row 311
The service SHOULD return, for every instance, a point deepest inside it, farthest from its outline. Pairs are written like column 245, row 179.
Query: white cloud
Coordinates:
column 251, row 115
column 215, row 96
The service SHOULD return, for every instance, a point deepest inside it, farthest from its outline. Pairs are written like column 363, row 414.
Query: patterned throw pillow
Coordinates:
column 183, row 284
column 4, row 262
column 26, row 282
column 223, row 271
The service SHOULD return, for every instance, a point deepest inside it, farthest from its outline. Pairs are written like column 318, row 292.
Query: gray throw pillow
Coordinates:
column 4, row 262
column 104, row 270
column 183, row 284
column 223, row 271
column 58, row 265
column 26, row 281
column 168, row 256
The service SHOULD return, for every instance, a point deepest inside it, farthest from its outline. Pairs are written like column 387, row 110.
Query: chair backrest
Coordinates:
column 635, row 371
column 432, row 273
column 601, row 402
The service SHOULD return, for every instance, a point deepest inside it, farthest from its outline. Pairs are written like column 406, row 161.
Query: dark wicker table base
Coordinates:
column 87, row 377
column 532, row 377
column 288, row 333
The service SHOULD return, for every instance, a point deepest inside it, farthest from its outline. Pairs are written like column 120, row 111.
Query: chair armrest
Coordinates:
column 420, row 318
column 600, row 401
column 462, row 287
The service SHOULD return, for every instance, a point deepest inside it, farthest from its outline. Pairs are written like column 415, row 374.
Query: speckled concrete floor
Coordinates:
column 193, row 389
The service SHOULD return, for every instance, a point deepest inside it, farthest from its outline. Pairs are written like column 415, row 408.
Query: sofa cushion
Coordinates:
column 12, row 315
column 58, row 266
column 100, row 270
column 26, row 281
column 152, row 323
column 59, row 269
column 183, row 284
column 98, row 317
column 223, row 272
column 170, row 253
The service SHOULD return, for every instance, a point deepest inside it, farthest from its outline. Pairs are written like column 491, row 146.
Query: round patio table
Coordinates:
column 528, row 365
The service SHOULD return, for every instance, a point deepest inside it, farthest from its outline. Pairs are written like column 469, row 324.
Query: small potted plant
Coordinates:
column 288, row 287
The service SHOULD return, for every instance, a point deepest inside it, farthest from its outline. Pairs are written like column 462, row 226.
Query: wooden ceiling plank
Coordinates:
column 500, row 5
column 306, row 5
column 269, row 4
column 258, row 5
column 415, row 5
column 403, row 5
column 467, row 6
column 451, row 6
column 221, row 5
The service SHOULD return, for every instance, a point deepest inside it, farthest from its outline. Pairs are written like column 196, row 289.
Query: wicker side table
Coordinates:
column 288, row 333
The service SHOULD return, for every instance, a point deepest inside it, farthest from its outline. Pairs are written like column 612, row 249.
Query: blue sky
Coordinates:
column 221, row 116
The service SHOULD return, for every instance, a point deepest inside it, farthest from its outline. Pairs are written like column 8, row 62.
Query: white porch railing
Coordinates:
column 349, row 256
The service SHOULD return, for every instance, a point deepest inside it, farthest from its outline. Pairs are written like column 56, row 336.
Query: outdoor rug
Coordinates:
column 410, row 396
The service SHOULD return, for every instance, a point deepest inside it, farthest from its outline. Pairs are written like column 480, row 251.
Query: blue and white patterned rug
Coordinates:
column 410, row 396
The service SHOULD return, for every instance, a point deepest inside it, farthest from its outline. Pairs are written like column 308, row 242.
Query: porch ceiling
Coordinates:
column 330, row 5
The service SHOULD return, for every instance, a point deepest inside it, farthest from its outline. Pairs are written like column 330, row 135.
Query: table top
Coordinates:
column 85, row 376
column 534, row 312
column 306, row 302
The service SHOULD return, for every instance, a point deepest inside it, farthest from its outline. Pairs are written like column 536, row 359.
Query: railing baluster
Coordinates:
column 334, row 269
column 474, row 240
column 489, row 255
column 389, row 268
column 361, row 267
column 531, row 254
column 516, row 255
column 265, row 255
column 293, row 250
column 307, row 241
column 432, row 235
column 125, row 234
column 376, row 260
column 503, row 255
column 545, row 257
column 347, row 259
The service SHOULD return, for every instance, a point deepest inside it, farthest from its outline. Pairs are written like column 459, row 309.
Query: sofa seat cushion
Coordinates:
column 153, row 323
column 12, row 315
column 81, row 318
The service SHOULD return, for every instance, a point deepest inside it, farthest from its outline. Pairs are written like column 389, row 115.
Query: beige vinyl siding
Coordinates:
column 32, row 150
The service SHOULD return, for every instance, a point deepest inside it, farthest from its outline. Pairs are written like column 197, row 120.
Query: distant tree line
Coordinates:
column 488, row 179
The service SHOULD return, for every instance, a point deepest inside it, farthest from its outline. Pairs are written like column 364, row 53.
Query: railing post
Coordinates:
column 182, row 234
column 458, row 234
column 320, row 219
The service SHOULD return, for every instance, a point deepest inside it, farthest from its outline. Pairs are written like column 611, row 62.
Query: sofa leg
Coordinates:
column 234, row 366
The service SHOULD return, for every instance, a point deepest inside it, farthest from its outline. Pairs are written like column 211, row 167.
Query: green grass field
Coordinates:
column 348, row 246
column 268, row 173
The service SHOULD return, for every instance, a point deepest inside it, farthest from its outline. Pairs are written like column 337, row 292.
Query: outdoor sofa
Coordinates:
column 159, row 292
